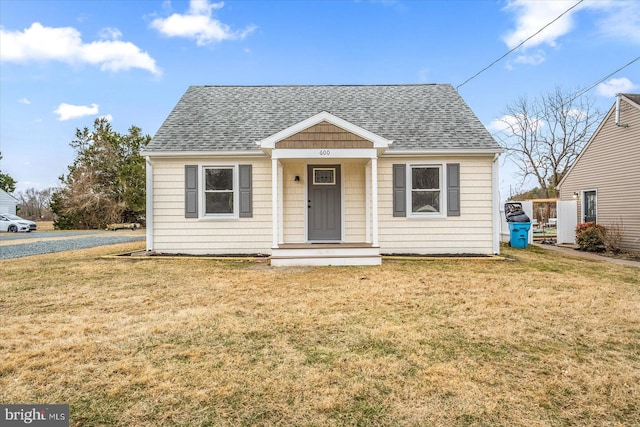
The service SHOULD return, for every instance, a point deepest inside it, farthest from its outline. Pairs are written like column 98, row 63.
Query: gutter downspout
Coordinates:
column 496, row 206
column 149, row 202
column 622, row 125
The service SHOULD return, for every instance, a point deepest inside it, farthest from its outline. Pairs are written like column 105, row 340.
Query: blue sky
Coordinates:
column 64, row 63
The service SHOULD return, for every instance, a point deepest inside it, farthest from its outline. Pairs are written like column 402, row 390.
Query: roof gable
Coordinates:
column 234, row 118
column 608, row 120
column 633, row 98
column 376, row 140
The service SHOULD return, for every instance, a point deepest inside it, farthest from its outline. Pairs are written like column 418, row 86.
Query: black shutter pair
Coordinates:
column 245, row 191
column 400, row 189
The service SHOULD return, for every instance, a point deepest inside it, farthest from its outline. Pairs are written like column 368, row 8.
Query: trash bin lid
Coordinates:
column 510, row 207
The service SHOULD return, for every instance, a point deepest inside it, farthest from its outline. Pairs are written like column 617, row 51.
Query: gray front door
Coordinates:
column 324, row 202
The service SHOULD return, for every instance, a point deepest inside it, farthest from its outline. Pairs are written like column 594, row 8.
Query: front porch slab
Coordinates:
column 325, row 254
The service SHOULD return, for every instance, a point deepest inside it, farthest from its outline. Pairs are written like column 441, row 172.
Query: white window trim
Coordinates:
column 202, row 194
column 443, row 191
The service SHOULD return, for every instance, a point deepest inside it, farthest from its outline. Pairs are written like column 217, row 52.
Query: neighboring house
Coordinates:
column 333, row 175
column 605, row 179
column 8, row 203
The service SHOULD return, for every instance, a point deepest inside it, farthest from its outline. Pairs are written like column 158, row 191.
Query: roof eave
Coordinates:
column 202, row 153
column 443, row 151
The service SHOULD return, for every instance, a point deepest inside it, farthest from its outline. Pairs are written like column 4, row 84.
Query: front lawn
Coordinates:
column 535, row 340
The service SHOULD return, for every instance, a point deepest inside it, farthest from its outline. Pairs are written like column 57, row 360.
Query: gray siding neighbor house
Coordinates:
column 605, row 179
column 322, row 175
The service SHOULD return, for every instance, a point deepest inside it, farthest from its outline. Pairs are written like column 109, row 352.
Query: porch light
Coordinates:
column 575, row 195
column 297, row 178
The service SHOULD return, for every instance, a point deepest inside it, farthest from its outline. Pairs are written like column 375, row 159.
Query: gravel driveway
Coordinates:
column 45, row 242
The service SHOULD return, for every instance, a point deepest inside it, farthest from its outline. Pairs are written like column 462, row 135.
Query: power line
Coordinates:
column 585, row 90
column 515, row 48
column 582, row 92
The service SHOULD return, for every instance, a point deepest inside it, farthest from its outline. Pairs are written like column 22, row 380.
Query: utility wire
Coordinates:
column 585, row 90
column 515, row 48
column 582, row 92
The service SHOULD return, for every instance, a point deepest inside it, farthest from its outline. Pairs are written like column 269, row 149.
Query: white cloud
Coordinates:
column 68, row 111
column 536, row 58
column 64, row 44
column 615, row 86
column 199, row 24
column 531, row 16
column 618, row 19
column 24, row 101
column 109, row 33
column 107, row 117
column 507, row 122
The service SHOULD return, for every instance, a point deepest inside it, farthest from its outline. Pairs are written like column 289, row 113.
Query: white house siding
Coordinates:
column 469, row 233
column 173, row 233
column 7, row 203
column 610, row 164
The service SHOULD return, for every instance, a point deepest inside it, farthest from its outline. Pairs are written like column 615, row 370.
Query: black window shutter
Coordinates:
column 453, row 189
column 246, row 203
column 191, row 191
column 400, row 190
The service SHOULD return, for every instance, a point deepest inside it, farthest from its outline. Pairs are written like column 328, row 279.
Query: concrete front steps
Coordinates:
column 324, row 254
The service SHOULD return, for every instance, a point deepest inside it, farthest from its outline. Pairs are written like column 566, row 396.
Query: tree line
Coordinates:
column 106, row 182
column 104, row 185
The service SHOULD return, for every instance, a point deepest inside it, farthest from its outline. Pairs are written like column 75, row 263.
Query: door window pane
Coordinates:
column 322, row 176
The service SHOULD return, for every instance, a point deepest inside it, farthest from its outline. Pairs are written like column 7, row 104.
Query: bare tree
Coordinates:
column 545, row 135
column 35, row 204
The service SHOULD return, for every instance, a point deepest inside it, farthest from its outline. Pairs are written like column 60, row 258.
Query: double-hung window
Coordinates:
column 223, row 191
column 219, row 186
column 426, row 190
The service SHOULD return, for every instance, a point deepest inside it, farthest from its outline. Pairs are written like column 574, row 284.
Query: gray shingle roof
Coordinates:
column 633, row 97
column 227, row 118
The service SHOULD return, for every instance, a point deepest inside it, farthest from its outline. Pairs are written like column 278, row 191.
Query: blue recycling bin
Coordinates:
column 519, row 234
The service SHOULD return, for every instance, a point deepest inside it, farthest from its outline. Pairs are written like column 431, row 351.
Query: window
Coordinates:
column 324, row 176
column 426, row 192
column 219, row 191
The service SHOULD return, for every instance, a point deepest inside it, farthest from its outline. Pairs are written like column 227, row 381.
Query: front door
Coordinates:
column 324, row 203
column 590, row 206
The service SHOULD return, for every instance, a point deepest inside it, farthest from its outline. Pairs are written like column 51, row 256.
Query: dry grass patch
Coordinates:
column 541, row 340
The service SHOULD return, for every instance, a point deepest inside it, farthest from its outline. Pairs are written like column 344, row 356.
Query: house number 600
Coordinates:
column 325, row 152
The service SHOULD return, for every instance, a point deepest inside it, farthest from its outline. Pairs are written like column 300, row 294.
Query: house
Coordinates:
column 605, row 177
column 322, row 175
column 8, row 203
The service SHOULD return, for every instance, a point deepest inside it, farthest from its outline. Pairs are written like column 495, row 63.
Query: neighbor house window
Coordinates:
column 426, row 190
column 219, row 191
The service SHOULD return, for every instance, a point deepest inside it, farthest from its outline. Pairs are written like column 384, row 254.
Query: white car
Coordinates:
column 13, row 224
